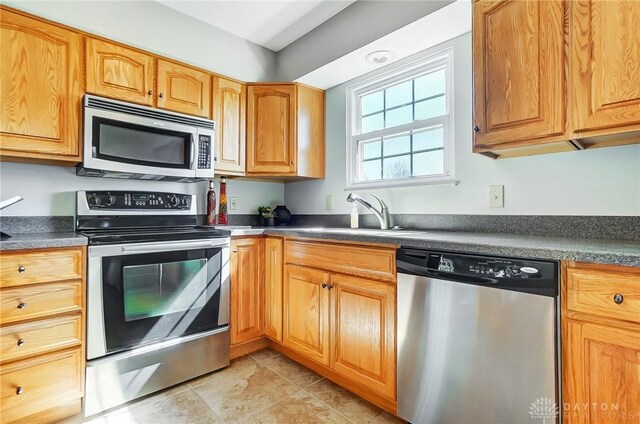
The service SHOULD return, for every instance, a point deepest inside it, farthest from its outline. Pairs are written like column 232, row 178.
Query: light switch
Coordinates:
column 496, row 196
column 233, row 203
column 329, row 202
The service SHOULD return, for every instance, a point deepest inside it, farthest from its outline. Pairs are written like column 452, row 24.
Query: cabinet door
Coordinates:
column 271, row 129
column 519, row 70
column 306, row 312
column 363, row 346
column 229, row 111
column 118, row 72
column 247, row 297
column 183, row 89
column 605, row 65
column 601, row 376
column 273, row 289
column 40, row 89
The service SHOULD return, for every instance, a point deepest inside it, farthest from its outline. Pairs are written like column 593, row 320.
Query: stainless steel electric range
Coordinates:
column 157, row 294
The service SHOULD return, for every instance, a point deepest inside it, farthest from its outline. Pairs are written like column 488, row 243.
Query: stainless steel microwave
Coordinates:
column 124, row 140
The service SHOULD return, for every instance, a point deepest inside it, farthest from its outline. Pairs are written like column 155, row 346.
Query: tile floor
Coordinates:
column 263, row 387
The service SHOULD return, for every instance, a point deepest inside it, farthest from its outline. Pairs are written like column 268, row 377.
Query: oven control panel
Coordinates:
column 129, row 200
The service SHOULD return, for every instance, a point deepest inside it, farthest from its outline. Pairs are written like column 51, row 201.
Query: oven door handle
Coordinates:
column 134, row 249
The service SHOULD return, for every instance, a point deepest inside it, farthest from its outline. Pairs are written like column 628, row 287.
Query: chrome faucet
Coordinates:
column 382, row 214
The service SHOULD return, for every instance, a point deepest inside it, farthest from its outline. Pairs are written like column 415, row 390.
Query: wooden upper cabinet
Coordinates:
column 40, row 90
column 363, row 344
column 118, row 72
column 285, row 131
column 605, row 64
column 229, row 112
column 273, row 288
column 271, row 129
column 519, row 71
column 306, row 312
column 247, row 295
column 183, row 89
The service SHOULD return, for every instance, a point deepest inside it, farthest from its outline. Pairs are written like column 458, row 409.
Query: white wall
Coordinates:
column 50, row 190
column 153, row 27
column 595, row 182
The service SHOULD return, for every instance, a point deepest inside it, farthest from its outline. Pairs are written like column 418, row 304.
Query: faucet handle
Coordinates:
column 383, row 205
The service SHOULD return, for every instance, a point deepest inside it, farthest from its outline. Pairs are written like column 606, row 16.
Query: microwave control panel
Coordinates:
column 129, row 200
column 204, row 152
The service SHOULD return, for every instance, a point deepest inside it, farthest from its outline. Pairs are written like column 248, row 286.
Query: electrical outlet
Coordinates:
column 233, row 203
column 329, row 202
column 496, row 196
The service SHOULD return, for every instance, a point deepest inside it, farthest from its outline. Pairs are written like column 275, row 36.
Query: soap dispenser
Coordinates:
column 354, row 215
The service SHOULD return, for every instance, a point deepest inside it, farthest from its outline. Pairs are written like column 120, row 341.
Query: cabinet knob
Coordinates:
column 476, row 128
column 292, row 162
column 215, row 158
column 149, row 92
column 235, row 251
column 324, row 285
column 22, row 305
column 20, row 342
column 19, row 390
column 21, row 269
column 618, row 298
column 161, row 95
column 330, row 287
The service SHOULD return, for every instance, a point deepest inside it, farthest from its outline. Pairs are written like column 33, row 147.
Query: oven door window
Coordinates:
column 141, row 145
column 148, row 298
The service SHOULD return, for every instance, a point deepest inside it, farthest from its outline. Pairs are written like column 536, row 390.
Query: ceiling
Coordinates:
column 273, row 24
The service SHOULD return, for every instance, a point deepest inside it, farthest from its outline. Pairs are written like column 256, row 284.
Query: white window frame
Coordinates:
column 390, row 77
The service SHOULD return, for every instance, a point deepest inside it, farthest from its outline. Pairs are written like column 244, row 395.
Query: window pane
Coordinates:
column 398, row 167
column 373, row 102
column 430, row 85
column 397, row 144
column 371, row 170
column 373, row 122
column 371, row 148
column 398, row 116
column 430, row 138
column 429, row 163
column 430, row 108
column 399, row 95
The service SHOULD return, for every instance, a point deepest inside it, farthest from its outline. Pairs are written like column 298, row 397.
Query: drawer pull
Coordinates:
column 22, row 305
column 19, row 390
column 20, row 342
column 618, row 298
column 21, row 269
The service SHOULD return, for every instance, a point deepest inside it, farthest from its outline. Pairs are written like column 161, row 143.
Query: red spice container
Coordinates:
column 222, row 211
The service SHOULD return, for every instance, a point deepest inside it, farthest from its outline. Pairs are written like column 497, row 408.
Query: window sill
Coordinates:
column 373, row 185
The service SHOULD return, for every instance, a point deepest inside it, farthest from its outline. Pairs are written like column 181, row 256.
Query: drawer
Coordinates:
column 22, row 340
column 22, row 303
column 40, row 266
column 365, row 261
column 592, row 290
column 43, row 382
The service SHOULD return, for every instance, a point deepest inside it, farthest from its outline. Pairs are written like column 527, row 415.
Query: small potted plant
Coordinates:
column 268, row 215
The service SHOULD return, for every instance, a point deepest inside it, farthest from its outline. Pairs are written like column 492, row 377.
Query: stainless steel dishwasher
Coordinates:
column 477, row 339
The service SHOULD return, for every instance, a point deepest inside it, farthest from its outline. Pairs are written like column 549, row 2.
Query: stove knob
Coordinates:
column 94, row 200
column 175, row 201
column 184, row 201
column 111, row 199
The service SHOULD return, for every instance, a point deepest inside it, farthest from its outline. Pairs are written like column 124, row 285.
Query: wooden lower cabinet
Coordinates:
column 247, row 292
column 306, row 312
column 363, row 332
column 600, row 346
column 42, row 326
column 273, row 288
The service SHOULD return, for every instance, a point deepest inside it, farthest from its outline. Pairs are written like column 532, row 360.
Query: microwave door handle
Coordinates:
column 193, row 152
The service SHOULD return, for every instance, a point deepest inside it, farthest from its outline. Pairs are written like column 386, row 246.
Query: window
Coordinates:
column 399, row 126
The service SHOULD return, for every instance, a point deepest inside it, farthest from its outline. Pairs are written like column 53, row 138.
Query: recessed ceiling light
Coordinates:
column 379, row 56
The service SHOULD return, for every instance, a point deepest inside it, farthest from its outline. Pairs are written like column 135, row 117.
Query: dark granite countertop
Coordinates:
column 617, row 252
column 42, row 240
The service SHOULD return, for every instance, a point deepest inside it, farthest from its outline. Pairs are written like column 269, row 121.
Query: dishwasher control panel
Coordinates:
column 489, row 267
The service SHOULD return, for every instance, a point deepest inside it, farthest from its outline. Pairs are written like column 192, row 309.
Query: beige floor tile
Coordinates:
column 184, row 407
column 292, row 371
column 235, row 365
column 387, row 418
column 346, row 403
column 297, row 408
column 244, row 392
column 264, row 354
